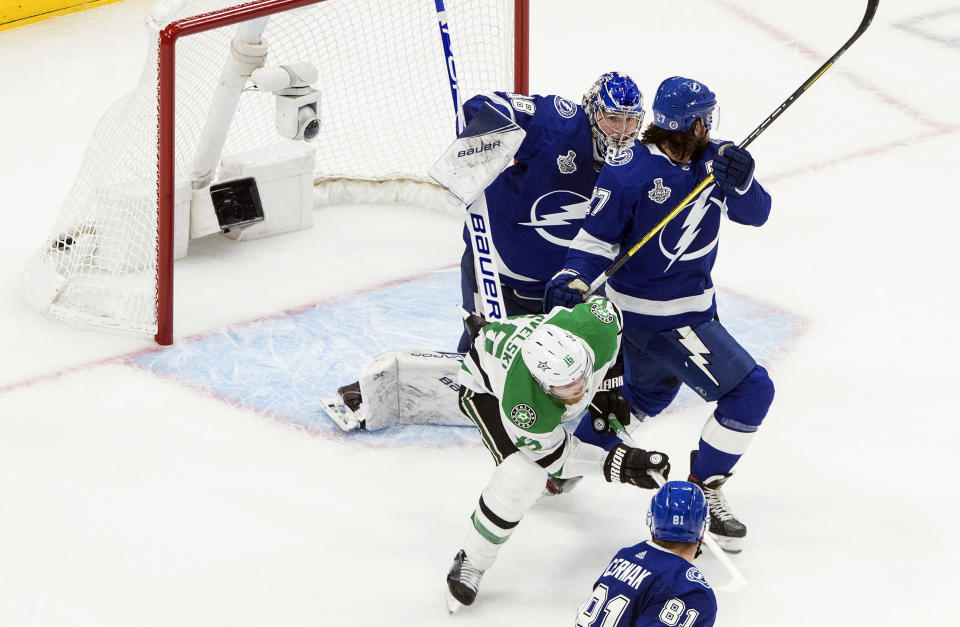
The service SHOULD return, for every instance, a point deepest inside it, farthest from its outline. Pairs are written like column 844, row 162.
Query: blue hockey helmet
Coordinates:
column 678, row 512
column 614, row 107
column 680, row 101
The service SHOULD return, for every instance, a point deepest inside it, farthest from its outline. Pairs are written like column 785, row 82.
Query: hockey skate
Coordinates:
column 556, row 485
column 463, row 581
column 345, row 408
column 724, row 526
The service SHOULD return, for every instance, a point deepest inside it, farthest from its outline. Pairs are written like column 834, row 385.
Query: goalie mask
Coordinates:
column 681, row 101
column 678, row 512
column 558, row 361
column 614, row 107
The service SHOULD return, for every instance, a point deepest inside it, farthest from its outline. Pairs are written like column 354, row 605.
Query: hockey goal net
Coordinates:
column 108, row 260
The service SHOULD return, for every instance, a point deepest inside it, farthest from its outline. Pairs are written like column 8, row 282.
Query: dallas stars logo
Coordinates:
column 602, row 313
column 523, row 415
column 542, row 365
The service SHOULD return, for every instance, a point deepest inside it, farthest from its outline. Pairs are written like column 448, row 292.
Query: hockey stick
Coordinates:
column 618, row 263
column 451, row 66
column 478, row 221
column 737, row 582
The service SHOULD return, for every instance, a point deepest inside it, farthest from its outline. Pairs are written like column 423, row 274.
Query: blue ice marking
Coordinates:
column 284, row 366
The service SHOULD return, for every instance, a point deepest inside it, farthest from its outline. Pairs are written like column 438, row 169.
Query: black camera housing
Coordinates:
column 236, row 203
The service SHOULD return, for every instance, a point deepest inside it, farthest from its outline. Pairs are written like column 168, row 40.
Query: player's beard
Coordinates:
column 699, row 146
column 571, row 401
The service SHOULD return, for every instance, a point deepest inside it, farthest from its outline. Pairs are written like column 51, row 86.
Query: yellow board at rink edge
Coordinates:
column 14, row 13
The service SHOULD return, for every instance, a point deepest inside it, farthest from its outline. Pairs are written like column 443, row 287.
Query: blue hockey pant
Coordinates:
column 711, row 362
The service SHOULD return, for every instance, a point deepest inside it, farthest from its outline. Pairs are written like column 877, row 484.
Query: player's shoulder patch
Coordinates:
column 623, row 157
column 599, row 309
column 659, row 193
column 523, row 415
column 566, row 108
column 694, row 575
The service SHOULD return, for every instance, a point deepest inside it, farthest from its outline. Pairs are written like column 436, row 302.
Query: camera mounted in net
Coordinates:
column 298, row 103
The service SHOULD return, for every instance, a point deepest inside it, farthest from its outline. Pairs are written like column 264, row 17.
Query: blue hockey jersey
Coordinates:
column 645, row 585
column 667, row 283
column 536, row 205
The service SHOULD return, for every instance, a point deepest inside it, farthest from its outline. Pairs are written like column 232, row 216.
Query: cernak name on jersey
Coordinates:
column 627, row 572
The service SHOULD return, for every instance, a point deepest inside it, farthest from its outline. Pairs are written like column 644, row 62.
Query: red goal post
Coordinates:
column 96, row 267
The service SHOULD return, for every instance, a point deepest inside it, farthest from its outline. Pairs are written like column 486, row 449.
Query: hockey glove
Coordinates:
column 733, row 169
column 630, row 465
column 473, row 323
column 605, row 403
column 565, row 289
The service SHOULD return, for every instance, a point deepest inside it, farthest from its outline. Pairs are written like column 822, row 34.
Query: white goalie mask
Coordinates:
column 556, row 359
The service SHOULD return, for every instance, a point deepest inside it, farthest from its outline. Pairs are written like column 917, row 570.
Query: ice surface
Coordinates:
column 195, row 485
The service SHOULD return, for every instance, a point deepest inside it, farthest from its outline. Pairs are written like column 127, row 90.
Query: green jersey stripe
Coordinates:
column 486, row 533
column 474, row 415
column 475, row 356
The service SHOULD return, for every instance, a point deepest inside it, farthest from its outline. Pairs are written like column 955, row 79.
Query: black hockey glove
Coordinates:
column 473, row 324
column 604, row 403
column 733, row 169
column 565, row 289
column 630, row 465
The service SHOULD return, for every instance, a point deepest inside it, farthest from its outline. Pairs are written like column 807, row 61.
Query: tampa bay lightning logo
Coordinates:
column 696, row 576
column 691, row 229
column 565, row 108
column 620, row 156
column 557, row 216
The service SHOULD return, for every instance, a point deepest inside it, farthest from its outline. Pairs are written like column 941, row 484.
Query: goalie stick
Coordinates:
column 737, row 582
column 478, row 222
column 618, row 263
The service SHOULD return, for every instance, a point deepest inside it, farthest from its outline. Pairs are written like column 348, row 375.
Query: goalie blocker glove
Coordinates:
column 565, row 289
column 733, row 169
column 630, row 465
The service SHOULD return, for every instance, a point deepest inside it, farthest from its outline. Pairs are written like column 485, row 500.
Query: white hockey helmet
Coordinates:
column 554, row 357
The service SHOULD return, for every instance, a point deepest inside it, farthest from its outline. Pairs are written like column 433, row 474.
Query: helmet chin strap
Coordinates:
column 598, row 153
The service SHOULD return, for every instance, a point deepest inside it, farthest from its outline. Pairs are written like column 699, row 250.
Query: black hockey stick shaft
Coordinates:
column 618, row 263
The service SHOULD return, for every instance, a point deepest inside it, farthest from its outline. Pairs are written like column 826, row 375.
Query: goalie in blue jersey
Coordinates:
column 655, row 583
column 537, row 203
column 532, row 162
column 671, row 331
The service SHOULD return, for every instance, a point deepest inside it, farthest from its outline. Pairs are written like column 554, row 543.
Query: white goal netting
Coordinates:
column 386, row 110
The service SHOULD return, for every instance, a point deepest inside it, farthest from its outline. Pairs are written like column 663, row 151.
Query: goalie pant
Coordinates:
column 527, row 431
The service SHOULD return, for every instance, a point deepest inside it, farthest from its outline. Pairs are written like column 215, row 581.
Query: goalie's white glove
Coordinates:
column 478, row 155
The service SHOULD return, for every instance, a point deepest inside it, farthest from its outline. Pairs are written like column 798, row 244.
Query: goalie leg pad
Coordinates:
column 403, row 387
